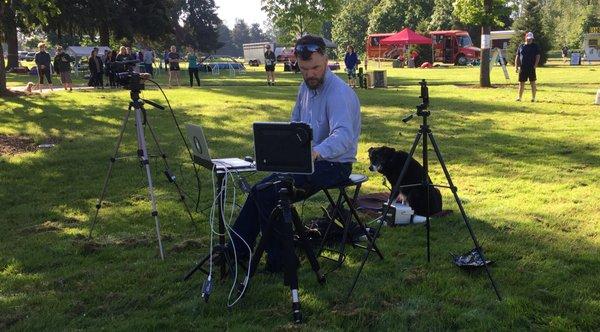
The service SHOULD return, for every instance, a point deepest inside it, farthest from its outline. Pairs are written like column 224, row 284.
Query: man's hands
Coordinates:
column 516, row 69
column 315, row 155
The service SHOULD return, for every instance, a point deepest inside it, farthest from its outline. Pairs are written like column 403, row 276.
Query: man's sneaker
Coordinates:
column 533, row 100
column 518, row 99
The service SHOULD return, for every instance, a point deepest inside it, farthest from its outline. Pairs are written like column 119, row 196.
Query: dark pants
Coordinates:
column 96, row 79
column 254, row 216
column 149, row 69
column 44, row 72
column 193, row 73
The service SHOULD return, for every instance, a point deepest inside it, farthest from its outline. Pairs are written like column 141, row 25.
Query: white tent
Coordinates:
column 84, row 51
column 78, row 52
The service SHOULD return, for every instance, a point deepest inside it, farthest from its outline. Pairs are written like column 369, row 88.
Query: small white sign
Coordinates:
column 486, row 41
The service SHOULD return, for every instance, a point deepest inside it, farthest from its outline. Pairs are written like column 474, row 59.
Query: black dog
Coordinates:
column 389, row 162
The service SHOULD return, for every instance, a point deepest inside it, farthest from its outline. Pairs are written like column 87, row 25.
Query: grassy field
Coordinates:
column 527, row 173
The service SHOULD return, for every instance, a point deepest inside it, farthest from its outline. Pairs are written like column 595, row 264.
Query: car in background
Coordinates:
column 333, row 65
column 30, row 56
column 22, row 55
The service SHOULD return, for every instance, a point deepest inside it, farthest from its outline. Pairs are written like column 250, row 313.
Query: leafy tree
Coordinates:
column 295, row 18
column 200, row 24
column 26, row 15
column 240, row 35
column 256, row 33
column 566, row 19
column 395, row 15
column 529, row 21
column 350, row 25
column 12, row 15
column 227, row 47
column 442, row 17
column 485, row 13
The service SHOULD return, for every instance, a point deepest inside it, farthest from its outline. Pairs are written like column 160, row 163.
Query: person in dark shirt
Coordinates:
column 42, row 61
column 270, row 61
column 565, row 54
column 96, row 70
column 351, row 60
column 62, row 66
column 174, row 59
column 526, row 61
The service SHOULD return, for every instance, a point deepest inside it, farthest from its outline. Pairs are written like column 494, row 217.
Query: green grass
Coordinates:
column 527, row 173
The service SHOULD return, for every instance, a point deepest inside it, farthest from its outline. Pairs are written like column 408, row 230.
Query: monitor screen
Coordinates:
column 283, row 147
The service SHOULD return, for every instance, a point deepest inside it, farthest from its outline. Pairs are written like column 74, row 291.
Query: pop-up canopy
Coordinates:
column 405, row 37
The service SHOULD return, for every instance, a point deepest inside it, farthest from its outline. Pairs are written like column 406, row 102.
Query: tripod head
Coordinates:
column 284, row 184
column 424, row 96
column 422, row 108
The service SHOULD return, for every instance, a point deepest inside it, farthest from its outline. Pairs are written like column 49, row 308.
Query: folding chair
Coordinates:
column 345, row 219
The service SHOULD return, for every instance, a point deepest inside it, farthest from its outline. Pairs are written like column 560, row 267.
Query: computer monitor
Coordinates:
column 283, row 147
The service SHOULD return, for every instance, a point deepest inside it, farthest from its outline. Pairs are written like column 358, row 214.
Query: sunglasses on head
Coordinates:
column 308, row 48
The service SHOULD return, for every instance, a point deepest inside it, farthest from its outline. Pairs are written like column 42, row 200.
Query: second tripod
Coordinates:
column 426, row 134
column 141, row 123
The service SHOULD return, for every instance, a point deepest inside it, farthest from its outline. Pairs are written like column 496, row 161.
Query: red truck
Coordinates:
column 453, row 46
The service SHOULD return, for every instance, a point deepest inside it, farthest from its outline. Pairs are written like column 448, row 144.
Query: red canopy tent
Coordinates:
column 405, row 37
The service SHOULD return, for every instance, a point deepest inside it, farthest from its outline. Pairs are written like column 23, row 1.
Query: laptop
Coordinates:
column 202, row 156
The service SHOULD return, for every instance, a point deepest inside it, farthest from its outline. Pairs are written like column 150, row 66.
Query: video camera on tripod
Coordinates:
column 125, row 75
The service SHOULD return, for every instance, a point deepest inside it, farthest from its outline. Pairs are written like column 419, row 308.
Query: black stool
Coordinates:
column 356, row 181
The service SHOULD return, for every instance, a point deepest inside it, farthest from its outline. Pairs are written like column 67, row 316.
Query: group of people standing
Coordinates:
column 172, row 58
column 101, row 66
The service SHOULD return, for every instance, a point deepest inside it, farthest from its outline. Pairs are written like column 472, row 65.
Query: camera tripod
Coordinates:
column 141, row 123
column 425, row 133
column 283, row 223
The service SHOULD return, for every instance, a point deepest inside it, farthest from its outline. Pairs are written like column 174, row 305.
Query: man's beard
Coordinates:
column 314, row 83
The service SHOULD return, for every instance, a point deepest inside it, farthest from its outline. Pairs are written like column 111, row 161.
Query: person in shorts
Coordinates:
column 351, row 62
column 526, row 61
column 62, row 66
column 270, row 61
column 174, row 59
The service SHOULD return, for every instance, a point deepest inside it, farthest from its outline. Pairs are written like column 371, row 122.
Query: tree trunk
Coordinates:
column 3, row 89
column 10, row 33
column 484, row 69
column 104, row 34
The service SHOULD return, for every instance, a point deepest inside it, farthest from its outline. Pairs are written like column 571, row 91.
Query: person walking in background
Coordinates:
column 526, row 61
column 62, row 66
column 166, row 59
column 351, row 61
column 565, row 54
column 192, row 59
column 174, row 59
column 96, row 69
column 148, row 57
column 42, row 61
column 270, row 61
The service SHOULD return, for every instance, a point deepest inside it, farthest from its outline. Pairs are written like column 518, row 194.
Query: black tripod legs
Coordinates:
column 463, row 213
column 283, row 220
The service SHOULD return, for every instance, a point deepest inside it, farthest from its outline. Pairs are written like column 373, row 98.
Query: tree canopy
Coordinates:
column 295, row 18
column 529, row 21
column 350, row 25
